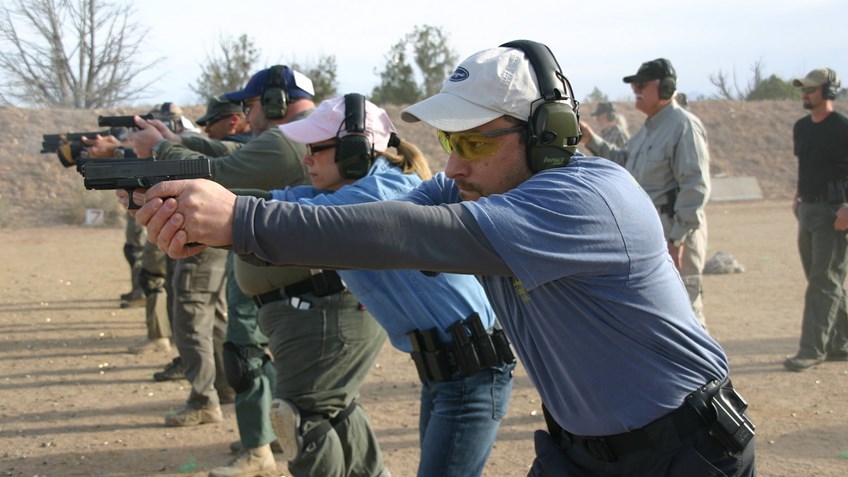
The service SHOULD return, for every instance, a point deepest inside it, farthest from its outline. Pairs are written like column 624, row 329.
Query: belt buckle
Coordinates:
column 599, row 448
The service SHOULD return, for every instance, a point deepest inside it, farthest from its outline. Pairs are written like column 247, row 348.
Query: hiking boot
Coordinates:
column 188, row 416
column 836, row 357
column 249, row 463
column 148, row 346
column 236, row 447
column 174, row 371
column 133, row 299
column 800, row 364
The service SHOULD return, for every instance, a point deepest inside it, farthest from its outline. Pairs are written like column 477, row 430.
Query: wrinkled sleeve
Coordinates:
column 375, row 236
column 607, row 150
column 691, row 168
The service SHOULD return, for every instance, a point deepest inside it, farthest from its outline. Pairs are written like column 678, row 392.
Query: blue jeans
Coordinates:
column 459, row 422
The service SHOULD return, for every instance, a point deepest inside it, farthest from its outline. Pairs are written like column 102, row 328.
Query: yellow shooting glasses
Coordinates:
column 473, row 146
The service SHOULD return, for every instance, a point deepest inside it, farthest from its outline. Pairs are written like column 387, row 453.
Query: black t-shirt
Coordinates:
column 822, row 151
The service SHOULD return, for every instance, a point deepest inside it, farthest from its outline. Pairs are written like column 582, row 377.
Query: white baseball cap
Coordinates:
column 489, row 84
column 328, row 121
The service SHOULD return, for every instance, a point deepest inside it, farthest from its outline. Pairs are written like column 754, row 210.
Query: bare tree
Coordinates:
column 229, row 70
column 71, row 53
column 721, row 82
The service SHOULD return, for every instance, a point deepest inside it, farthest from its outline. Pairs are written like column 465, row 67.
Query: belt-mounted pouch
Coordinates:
column 437, row 358
column 502, row 347
column 465, row 353
column 237, row 369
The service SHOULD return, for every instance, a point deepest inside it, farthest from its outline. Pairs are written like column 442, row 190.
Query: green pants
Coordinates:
column 134, row 240
column 253, row 404
column 824, row 256
column 157, row 270
column 200, row 315
column 322, row 355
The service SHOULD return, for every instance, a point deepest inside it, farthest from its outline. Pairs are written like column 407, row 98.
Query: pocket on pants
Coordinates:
column 205, row 274
column 501, row 390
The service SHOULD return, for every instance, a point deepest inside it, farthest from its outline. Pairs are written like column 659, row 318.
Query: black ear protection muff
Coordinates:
column 354, row 152
column 831, row 88
column 553, row 130
column 668, row 86
column 274, row 99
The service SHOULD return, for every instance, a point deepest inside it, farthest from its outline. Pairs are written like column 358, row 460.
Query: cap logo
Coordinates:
column 460, row 74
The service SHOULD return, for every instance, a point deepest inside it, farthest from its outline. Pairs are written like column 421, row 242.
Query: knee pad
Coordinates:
column 285, row 420
column 150, row 282
column 132, row 253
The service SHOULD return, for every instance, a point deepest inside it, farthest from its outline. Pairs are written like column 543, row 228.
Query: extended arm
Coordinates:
column 380, row 235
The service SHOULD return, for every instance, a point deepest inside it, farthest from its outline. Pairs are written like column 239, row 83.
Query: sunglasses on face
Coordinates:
column 312, row 149
column 246, row 106
column 640, row 85
column 809, row 89
column 216, row 118
column 473, row 146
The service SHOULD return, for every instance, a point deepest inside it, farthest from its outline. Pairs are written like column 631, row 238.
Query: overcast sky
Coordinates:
column 597, row 42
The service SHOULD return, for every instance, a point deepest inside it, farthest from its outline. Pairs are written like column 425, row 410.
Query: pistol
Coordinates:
column 69, row 146
column 129, row 174
column 120, row 121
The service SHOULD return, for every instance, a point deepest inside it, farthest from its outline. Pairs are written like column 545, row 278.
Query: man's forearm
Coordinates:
column 379, row 236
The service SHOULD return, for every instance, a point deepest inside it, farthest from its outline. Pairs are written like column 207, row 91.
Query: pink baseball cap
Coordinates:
column 328, row 121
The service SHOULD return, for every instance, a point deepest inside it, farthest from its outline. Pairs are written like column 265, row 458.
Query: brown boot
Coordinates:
column 188, row 416
column 149, row 346
column 251, row 462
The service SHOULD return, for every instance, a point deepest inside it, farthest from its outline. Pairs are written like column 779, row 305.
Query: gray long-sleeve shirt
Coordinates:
column 668, row 155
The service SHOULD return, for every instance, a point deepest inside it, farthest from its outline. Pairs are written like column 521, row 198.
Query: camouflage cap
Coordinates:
column 604, row 108
column 218, row 106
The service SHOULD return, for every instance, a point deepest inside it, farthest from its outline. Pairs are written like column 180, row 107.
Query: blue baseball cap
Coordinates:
column 297, row 85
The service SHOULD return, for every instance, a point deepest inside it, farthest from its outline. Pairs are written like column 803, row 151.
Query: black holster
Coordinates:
column 237, row 367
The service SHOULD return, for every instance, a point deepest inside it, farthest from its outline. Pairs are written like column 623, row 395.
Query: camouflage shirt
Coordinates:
column 615, row 135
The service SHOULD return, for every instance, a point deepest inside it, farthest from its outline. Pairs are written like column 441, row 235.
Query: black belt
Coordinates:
column 685, row 420
column 325, row 283
column 813, row 199
column 834, row 192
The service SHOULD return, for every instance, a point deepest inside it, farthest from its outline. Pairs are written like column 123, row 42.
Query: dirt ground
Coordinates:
column 74, row 403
